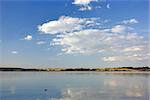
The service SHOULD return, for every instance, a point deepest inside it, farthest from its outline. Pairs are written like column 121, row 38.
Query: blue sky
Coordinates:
column 74, row 33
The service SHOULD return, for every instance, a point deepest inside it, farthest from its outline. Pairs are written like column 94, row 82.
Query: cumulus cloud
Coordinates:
column 40, row 42
column 95, row 40
column 118, row 29
column 14, row 52
column 65, row 24
column 87, row 41
column 90, row 36
column 110, row 59
column 134, row 48
column 84, row 4
column 91, row 41
column 130, row 21
column 108, row 6
column 133, row 57
column 28, row 37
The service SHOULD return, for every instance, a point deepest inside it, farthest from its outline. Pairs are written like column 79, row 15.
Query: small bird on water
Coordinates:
column 45, row 90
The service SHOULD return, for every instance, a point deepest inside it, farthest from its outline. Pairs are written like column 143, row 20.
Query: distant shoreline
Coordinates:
column 115, row 69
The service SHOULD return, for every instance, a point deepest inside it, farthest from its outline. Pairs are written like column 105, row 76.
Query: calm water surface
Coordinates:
column 73, row 86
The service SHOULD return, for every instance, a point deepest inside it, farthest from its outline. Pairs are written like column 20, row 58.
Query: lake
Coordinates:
column 74, row 86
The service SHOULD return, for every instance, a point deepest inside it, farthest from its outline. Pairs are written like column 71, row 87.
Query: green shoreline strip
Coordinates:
column 78, row 69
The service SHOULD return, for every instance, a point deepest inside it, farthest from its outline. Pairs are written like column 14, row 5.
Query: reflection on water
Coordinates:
column 12, row 90
column 73, row 86
column 111, row 83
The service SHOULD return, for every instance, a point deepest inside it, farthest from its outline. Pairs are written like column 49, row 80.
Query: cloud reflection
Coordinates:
column 112, row 89
column 111, row 83
column 12, row 90
column 37, row 98
column 82, row 94
column 135, row 91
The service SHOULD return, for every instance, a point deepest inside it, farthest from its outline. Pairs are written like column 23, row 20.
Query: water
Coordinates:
column 73, row 86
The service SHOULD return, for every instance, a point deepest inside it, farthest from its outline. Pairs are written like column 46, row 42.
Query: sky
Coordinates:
column 74, row 33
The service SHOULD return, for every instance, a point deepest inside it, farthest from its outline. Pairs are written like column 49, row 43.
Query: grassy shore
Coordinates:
column 131, row 69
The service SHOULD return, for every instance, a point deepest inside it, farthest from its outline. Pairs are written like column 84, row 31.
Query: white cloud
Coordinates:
column 14, row 52
column 62, row 25
column 80, row 42
column 65, row 24
column 85, row 41
column 133, row 36
column 85, row 8
column 134, row 48
column 90, row 41
column 90, row 38
column 108, row 6
column 118, row 29
column 84, row 4
column 133, row 57
column 110, row 59
column 40, row 42
column 28, row 37
column 130, row 21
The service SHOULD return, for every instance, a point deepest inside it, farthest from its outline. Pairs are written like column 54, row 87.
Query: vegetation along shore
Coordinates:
column 78, row 69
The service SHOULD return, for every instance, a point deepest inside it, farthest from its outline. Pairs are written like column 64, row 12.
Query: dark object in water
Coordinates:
column 45, row 90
